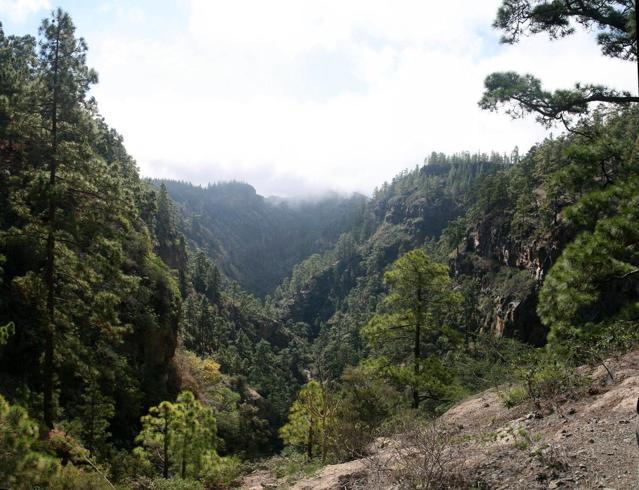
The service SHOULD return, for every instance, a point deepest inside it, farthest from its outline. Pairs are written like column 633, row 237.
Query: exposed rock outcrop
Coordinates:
column 510, row 271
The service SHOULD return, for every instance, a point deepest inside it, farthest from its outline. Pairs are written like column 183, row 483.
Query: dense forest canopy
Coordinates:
column 155, row 333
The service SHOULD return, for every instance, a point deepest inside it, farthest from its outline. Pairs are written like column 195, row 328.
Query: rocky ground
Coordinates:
column 585, row 443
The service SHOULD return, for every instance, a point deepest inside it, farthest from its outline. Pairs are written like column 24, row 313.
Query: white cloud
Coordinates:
column 293, row 26
column 331, row 93
column 18, row 10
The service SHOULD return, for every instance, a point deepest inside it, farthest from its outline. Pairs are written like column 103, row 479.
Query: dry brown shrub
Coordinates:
column 420, row 455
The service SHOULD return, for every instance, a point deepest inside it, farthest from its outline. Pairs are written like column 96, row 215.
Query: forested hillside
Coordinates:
column 499, row 224
column 106, row 310
column 159, row 335
column 254, row 240
column 343, row 287
column 92, row 312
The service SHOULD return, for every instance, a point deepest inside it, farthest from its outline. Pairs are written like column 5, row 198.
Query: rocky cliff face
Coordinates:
column 510, row 270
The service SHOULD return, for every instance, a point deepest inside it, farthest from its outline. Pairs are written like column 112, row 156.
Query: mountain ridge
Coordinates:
column 257, row 240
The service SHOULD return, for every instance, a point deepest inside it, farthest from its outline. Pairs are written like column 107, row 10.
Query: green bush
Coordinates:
column 514, row 396
column 556, row 380
column 72, row 477
column 221, row 472
column 489, row 361
column 292, row 464
column 159, row 483
column 547, row 378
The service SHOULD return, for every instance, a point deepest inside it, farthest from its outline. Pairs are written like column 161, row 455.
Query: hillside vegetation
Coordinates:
column 160, row 335
column 567, row 442
column 254, row 240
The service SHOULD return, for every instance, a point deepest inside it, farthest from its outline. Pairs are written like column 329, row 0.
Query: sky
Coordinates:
column 297, row 97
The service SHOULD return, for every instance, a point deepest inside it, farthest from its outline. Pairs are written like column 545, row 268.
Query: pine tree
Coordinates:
column 165, row 231
column 423, row 303
column 614, row 21
column 594, row 281
column 311, row 420
column 21, row 466
column 178, row 436
column 64, row 80
column 97, row 411
column 206, row 278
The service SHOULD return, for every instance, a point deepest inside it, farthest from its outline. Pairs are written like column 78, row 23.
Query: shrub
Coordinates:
column 419, row 456
column 552, row 457
column 548, row 378
column 221, row 472
column 489, row 361
column 553, row 381
column 291, row 464
column 158, row 483
column 71, row 476
column 514, row 396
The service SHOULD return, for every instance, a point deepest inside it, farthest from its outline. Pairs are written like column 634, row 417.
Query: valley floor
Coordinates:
column 585, row 443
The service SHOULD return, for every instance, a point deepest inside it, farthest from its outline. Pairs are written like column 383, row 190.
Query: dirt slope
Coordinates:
column 585, row 443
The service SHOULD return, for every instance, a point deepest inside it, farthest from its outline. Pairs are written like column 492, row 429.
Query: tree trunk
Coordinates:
column 416, row 366
column 183, row 472
column 165, row 468
column 309, row 447
column 417, row 349
column 49, row 347
column 324, row 435
column 92, row 416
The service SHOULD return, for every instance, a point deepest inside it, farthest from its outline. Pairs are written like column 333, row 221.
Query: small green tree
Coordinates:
column 96, row 411
column 20, row 465
column 155, row 436
column 311, row 420
column 422, row 302
column 177, row 437
column 365, row 403
column 197, row 433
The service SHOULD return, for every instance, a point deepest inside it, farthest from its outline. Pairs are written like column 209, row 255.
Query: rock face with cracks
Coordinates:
column 510, row 270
